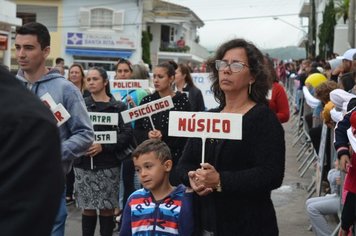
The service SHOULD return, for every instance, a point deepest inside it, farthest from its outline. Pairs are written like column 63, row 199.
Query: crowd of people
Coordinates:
column 325, row 95
column 149, row 181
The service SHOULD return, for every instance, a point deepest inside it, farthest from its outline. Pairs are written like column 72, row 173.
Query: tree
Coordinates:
column 146, row 52
column 326, row 32
column 342, row 9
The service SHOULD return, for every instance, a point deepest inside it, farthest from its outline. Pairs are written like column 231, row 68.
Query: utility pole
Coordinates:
column 352, row 24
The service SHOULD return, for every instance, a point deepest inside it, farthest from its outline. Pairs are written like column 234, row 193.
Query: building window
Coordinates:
column 101, row 18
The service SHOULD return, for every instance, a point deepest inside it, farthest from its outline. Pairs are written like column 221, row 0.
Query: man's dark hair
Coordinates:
column 38, row 29
column 59, row 60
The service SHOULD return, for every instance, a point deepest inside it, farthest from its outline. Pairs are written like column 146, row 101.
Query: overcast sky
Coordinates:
column 249, row 19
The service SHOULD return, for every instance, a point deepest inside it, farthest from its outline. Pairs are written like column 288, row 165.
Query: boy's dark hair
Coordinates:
column 35, row 28
column 161, row 149
column 59, row 60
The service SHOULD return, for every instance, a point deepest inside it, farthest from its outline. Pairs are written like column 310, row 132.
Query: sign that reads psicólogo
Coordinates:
column 103, row 118
column 205, row 125
column 147, row 109
column 128, row 84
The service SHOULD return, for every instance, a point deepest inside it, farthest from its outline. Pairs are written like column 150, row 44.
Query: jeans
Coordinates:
column 60, row 221
column 317, row 208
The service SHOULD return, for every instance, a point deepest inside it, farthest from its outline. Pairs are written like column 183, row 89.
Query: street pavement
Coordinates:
column 289, row 199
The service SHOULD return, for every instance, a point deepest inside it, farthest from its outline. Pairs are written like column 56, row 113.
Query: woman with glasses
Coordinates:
column 183, row 82
column 163, row 78
column 236, row 181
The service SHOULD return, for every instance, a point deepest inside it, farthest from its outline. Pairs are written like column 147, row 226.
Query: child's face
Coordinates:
column 151, row 171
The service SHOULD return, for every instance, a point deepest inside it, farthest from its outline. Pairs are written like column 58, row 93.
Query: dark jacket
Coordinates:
column 31, row 176
column 249, row 170
column 195, row 98
column 108, row 157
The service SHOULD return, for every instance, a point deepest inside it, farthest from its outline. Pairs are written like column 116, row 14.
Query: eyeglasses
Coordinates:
column 235, row 67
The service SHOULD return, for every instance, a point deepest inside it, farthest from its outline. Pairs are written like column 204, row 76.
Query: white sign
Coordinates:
column 129, row 84
column 202, row 81
column 205, row 125
column 103, row 118
column 58, row 110
column 105, row 137
column 61, row 114
column 100, row 40
column 48, row 101
column 148, row 109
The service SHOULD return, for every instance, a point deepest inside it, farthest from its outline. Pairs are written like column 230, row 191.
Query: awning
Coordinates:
column 99, row 53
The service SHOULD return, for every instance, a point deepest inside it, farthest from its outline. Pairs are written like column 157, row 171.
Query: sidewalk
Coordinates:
column 289, row 200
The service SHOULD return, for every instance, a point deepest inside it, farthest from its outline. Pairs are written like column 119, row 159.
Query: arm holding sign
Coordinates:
column 78, row 128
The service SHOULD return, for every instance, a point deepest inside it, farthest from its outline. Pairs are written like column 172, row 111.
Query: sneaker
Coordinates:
column 69, row 201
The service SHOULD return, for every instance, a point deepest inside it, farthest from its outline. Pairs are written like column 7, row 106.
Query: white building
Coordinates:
column 8, row 20
column 100, row 32
column 341, row 43
column 167, row 23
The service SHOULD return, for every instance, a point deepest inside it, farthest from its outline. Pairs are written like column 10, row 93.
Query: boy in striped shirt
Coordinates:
column 158, row 208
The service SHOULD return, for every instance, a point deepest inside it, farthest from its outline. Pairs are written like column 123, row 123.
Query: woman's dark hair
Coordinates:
column 259, row 88
column 170, row 67
column 185, row 69
column 272, row 74
column 123, row 61
column 104, row 75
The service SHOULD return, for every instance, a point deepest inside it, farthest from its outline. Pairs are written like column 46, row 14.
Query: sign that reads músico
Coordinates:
column 205, row 124
column 128, row 84
column 58, row 110
column 148, row 109
column 105, row 137
column 103, row 118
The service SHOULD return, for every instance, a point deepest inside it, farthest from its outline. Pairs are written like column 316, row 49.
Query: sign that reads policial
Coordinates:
column 128, row 84
column 205, row 125
column 147, row 109
column 103, row 118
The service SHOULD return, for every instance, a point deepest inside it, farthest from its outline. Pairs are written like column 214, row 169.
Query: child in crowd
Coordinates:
column 158, row 208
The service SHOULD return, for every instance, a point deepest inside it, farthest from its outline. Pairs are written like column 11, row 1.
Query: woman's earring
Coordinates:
column 249, row 88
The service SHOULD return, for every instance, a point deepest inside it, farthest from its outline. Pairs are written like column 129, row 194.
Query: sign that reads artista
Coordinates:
column 58, row 110
column 205, row 125
column 102, row 118
column 105, row 137
column 128, row 84
column 147, row 109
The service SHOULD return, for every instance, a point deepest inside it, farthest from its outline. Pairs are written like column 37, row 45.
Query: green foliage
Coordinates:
column 342, row 9
column 175, row 49
column 326, row 32
column 146, row 52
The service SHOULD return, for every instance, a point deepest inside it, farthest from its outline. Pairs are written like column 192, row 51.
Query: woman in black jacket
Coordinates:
column 97, row 173
column 183, row 82
column 163, row 78
column 236, row 181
